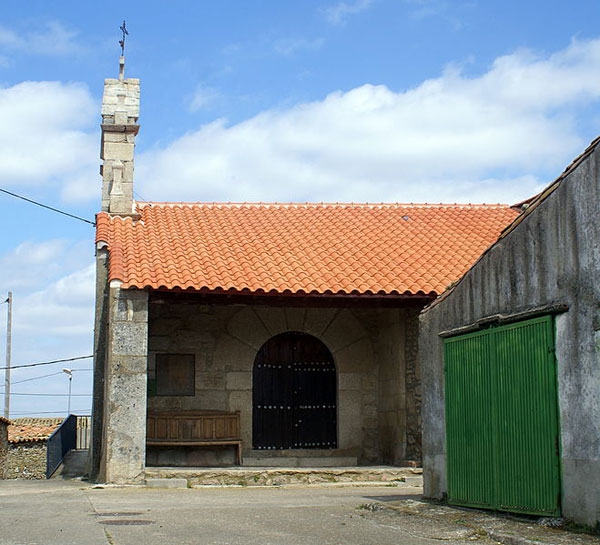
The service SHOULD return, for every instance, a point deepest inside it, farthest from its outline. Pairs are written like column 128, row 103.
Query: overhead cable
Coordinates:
column 47, row 362
column 48, row 207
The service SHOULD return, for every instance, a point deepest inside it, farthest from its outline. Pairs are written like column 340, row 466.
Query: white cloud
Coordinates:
column 46, row 137
column 51, row 39
column 32, row 264
column 337, row 14
column 290, row 46
column 63, row 308
column 203, row 97
column 493, row 137
column 52, row 319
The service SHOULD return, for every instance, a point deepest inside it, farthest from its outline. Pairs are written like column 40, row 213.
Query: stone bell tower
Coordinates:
column 120, row 112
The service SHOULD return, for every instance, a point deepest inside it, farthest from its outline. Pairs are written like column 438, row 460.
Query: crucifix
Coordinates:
column 122, row 41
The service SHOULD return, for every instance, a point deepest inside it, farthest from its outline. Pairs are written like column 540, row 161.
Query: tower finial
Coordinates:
column 123, row 29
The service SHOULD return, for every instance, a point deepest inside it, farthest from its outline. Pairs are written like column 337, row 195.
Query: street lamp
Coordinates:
column 70, row 373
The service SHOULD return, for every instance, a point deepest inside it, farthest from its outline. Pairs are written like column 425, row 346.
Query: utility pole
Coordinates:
column 8, row 352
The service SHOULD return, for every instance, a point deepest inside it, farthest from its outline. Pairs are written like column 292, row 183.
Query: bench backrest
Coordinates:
column 197, row 426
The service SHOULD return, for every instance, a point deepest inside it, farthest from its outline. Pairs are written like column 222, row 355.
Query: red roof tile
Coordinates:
column 299, row 248
column 27, row 433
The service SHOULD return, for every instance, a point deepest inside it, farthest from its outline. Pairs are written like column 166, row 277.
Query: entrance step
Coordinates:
column 166, row 483
column 300, row 461
column 267, row 476
column 74, row 465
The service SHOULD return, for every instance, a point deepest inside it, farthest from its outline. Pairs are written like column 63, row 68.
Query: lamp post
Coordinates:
column 70, row 373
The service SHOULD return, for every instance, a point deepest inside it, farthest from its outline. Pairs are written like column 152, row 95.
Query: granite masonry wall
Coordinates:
column 369, row 347
column 3, row 448
column 27, row 460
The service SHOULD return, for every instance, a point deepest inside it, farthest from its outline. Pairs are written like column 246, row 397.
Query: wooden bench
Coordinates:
column 195, row 429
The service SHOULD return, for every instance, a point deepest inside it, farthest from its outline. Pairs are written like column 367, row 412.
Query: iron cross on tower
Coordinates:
column 122, row 41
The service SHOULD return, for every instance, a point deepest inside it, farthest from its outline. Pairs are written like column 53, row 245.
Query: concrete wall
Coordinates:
column 552, row 257
column 27, row 460
column 3, row 448
column 369, row 351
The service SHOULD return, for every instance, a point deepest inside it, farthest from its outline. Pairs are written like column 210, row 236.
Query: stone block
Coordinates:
column 210, row 380
column 166, row 483
column 216, row 400
column 129, row 339
column 349, row 381
column 239, row 380
column 231, row 354
column 241, row 401
column 127, row 365
column 248, row 328
column 318, row 319
column 356, row 358
column 343, row 331
column 164, row 326
column 118, row 150
column 129, row 305
column 295, row 318
column 159, row 343
column 273, row 318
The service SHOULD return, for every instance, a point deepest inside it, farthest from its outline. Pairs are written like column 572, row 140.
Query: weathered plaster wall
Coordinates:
column 27, row 460
column 368, row 349
column 3, row 448
column 553, row 256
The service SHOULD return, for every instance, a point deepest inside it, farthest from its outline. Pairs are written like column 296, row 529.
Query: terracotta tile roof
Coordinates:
column 4, row 420
column 22, row 433
column 385, row 249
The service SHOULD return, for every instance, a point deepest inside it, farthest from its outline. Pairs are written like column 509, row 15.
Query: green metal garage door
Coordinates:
column 502, row 419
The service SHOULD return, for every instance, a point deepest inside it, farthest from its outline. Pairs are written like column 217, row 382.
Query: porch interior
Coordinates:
column 204, row 356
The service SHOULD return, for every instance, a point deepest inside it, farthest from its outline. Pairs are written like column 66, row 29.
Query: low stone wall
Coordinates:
column 3, row 448
column 27, row 460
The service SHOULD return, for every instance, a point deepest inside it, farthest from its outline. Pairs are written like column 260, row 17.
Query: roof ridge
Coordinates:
column 325, row 204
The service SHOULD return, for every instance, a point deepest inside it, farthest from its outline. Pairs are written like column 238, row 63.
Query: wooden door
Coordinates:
column 294, row 394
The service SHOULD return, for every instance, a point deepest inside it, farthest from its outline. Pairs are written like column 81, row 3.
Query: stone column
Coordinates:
column 124, row 437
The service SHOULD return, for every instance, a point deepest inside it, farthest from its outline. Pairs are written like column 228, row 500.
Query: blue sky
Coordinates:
column 354, row 100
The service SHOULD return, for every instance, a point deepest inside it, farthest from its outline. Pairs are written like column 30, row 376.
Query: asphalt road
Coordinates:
column 66, row 512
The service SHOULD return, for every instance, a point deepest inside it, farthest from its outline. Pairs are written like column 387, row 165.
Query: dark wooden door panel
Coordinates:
column 294, row 394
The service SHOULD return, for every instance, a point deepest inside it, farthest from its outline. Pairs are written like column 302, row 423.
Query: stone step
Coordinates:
column 301, row 461
column 268, row 476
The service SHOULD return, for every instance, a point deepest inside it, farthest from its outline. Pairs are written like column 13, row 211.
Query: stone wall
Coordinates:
column 3, row 448
column 123, row 452
column 368, row 349
column 550, row 259
column 27, row 460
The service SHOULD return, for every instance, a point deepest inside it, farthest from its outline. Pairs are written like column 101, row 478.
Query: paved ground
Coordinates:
column 67, row 512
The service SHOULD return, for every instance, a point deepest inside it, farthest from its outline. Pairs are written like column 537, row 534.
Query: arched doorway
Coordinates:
column 294, row 395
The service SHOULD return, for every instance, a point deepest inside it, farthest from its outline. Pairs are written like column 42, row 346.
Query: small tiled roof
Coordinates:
column 24, row 430
column 357, row 249
column 4, row 420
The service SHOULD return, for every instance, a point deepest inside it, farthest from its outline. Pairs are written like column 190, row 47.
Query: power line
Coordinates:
column 48, row 362
column 36, row 378
column 50, row 395
column 48, row 207
column 48, row 412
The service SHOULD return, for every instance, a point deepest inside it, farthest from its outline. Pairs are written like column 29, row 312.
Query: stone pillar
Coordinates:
column 120, row 112
column 124, row 437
